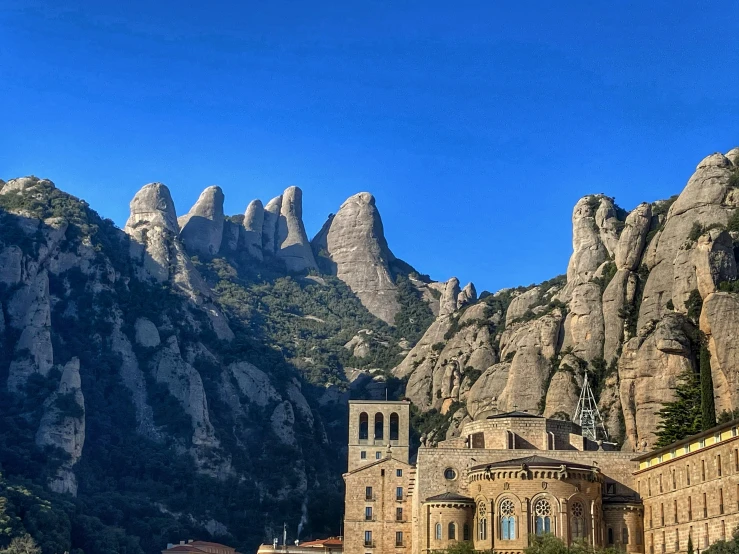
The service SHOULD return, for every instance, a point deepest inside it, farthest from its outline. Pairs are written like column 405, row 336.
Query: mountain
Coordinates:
column 188, row 376
column 644, row 292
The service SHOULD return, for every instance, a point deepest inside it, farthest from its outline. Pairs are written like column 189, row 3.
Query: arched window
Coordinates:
column 394, row 426
column 379, row 426
column 482, row 522
column 438, row 531
column 363, row 426
column 578, row 520
column 507, row 520
column 451, row 532
column 465, row 532
column 625, row 535
column 610, row 536
column 543, row 514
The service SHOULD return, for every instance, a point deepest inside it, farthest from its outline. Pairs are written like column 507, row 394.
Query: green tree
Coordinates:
column 708, row 407
column 22, row 545
column 546, row 544
column 683, row 416
column 690, row 544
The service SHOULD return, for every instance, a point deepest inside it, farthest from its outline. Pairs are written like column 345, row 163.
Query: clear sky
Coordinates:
column 476, row 125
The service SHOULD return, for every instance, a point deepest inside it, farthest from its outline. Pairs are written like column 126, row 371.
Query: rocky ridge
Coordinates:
column 626, row 311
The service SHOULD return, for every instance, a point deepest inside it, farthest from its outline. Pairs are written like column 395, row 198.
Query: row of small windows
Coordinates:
column 690, row 508
column 703, row 474
column 369, row 493
column 368, row 542
column 379, row 423
column 676, row 544
column 542, row 519
column 451, row 532
column 686, row 449
column 369, row 514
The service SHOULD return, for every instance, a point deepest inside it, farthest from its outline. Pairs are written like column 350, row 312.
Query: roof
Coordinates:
column 387, row 402
column 686, row 440
column 515, row 413
column 450, row 497
column 535, row 461
column 331, row 541
column 184, row 548
column 377, row 462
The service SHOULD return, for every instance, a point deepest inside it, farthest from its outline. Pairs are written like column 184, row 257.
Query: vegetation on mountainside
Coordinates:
column 136, row 494
column 415, row 315
column 683, row 416
column 708, row 406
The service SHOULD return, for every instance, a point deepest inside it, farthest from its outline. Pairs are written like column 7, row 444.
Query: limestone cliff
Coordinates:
column 626, row 312
column 352, row 246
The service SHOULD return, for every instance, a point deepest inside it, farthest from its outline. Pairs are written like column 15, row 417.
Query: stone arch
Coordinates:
column 539, row 515
column 363, row 426
column 379, row 426
column 509, row 516
column 394, row 426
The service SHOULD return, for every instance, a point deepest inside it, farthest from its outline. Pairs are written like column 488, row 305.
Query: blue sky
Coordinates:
column 477, row 125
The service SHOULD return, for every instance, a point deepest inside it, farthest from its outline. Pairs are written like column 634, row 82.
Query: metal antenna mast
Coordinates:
column 587, row 414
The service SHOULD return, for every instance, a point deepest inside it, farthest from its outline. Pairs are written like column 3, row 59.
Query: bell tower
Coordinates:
column 377, row 429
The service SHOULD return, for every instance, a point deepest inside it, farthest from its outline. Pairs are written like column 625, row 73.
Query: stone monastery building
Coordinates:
column 513, row 475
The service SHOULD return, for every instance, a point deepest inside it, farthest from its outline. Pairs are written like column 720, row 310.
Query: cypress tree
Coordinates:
column 683, row 416
column 708, row 407
column 690, row 544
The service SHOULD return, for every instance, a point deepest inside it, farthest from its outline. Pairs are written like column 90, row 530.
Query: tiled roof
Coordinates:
column 536, row 461
column 184, row 548
column 513, row 414
column 449, row 497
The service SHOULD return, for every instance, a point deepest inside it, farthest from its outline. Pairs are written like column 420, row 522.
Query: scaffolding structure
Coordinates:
column 587, row 414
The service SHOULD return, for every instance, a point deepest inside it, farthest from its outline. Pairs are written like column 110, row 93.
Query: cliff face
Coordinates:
column 201, row 353
column 115, row 348
column 623, row 312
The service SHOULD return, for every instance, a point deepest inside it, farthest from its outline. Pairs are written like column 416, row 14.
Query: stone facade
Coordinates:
column 691, row 489
column 502, row 480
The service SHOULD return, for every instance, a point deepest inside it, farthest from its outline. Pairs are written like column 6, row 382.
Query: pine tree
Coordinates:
column 683, row 416
column 708, row 407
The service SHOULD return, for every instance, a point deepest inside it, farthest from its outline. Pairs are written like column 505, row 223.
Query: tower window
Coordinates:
column 363, row 426
column 394, row 426
column 368, row 538
column 438, row 531
column 398, row 514
column 543, row 512
column 368, row 493
column 452, row 532
column 368, row 513
column 363, row 455
column 625, row 535
column 399, row 538
column 465, row 532
column 399, row 493
column 379, row 426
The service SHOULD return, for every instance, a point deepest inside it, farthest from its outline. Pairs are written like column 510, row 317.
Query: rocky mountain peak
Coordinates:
column 291, row 240
column 352, row 246
column 153, row 205
column 202, row 227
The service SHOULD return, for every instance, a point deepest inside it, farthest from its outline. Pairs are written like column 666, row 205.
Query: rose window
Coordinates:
column 577, row 509
column 507, row 508
column 542, row 508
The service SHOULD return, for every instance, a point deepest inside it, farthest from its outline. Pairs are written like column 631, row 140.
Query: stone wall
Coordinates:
column 384, row 478
column 694, row 494
column 376, row 448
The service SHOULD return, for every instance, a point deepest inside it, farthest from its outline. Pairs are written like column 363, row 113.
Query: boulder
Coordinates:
column 633, row 237
column 202, row 227
column 153, row 206
column 521, row 304
column 648, row 370
column 701, row 203
column 291, row 242
column 147, row 334
column 719, row 320
column 352, row 246
column 584, row 325
column 448, row 304
column 468, row 295
column 269, row 227
column 562, row 394
column 253, row 225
